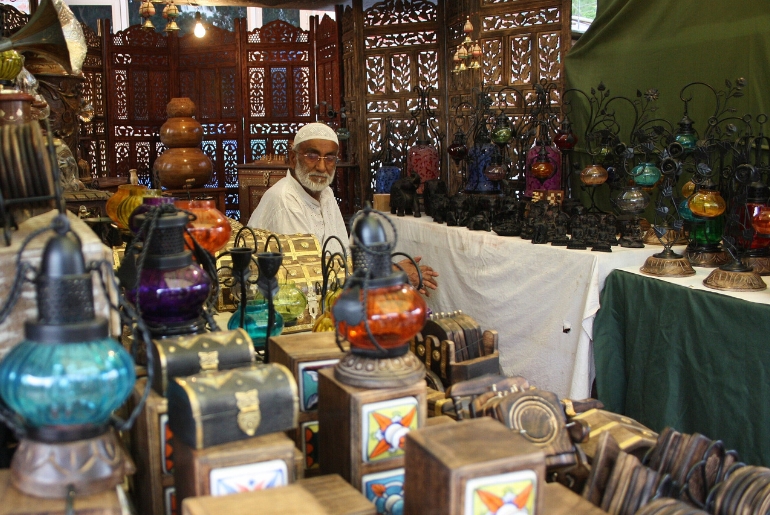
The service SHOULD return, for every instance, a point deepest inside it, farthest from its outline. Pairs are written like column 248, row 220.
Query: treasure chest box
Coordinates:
column 301, row 265
column 213, row 408
column 188, row 355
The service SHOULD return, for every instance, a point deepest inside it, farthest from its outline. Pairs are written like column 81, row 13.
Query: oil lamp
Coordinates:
column 646, row 174
column 64, row 381
column 378, row 311
column 752, row 244
column 160, row 277
column 542, row 169
column 685, row 134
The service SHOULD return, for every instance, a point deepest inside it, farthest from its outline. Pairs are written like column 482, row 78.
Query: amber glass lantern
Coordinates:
column 593, row 175
column 378, row 312
column 707, row 202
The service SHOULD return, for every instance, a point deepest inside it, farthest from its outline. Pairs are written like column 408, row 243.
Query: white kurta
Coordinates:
column 286, row 208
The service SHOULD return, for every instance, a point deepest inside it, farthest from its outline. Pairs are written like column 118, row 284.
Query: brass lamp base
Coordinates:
column 367, row 372
column 707, row 258
column 734, row 280
column 89, row 466
column 667, row 264
column 676, row 237
column 761, row 265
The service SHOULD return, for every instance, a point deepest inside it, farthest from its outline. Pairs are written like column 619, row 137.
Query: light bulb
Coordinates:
column 199, row 30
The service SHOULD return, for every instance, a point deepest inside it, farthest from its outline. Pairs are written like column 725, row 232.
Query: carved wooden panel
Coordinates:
column 401, row 42
column 93, row 138
column 253, row 91
column 208, row 72
column 138, row 71
column 11, row 20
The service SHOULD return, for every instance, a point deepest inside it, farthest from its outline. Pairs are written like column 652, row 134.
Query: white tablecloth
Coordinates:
column 541, row 299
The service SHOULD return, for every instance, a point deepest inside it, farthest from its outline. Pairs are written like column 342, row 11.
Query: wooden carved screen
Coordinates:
column 139, row 72
column 208, row 72
column 327, row 65
column 523, row 43
column 279, row 84
column 401, row 48
column 93, row 136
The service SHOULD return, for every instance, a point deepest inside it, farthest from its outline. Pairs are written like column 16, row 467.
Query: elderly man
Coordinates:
column 303, row 202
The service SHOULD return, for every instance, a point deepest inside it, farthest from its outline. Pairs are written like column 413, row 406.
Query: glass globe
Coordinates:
column 593, row 175
column 632, row 200
column 707, row 203
column 646, row 175
column 256, row 322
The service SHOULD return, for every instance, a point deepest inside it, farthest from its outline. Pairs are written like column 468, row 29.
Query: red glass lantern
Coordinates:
column 210, row 229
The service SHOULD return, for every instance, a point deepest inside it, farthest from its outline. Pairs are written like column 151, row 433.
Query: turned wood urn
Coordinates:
column 184, row 164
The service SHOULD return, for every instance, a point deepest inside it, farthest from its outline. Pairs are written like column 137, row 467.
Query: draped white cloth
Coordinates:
column 541, row 299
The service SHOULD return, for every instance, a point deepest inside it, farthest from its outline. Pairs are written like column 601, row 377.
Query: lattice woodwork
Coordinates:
column 208, row 72
column 280, row 85
column 138, row 71
column 93, row 139
column 401, row 44
column 273, row 68
column 523, row 41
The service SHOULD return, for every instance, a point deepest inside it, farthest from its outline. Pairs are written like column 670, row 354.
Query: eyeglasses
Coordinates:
column 313, row 158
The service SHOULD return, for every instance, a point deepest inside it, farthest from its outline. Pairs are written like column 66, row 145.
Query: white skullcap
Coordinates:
column 315, row 131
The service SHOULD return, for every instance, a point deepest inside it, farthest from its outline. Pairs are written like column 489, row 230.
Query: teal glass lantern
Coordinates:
column 646, row 174
column 685, row 134
column 67, row 376
column 256, row 322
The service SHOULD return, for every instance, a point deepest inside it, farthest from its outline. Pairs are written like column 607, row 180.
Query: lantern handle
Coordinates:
column 420, row 284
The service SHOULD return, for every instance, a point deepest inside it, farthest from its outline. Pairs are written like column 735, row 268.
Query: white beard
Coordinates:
column 303, row 176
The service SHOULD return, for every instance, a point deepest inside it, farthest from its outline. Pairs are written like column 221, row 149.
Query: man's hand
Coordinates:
column 428, row 275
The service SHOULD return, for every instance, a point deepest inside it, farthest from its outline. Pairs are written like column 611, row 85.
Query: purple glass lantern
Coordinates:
column 147, row 204
column 170, row 289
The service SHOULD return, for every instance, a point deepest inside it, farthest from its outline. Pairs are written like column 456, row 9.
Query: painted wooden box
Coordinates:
column 153, row 482
column 361, row 431
column 322, row 495
column 258, row 463
column 471, row 467
column 304, row 355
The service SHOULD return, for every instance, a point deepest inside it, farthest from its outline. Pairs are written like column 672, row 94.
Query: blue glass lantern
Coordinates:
column 480, row 157
column 68, row 372
column 63, row 382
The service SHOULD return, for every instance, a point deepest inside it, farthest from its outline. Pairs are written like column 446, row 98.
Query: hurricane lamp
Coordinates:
column 62, row 383
column 378, row 311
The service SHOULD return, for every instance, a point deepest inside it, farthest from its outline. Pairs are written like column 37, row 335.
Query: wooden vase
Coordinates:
column 178, row 165
column 184, row 164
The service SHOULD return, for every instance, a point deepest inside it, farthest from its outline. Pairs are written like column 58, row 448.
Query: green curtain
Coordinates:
column 665, row 44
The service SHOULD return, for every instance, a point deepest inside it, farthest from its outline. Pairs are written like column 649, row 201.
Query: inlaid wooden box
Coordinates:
column 474, row 466
column 153, row 482
column 322, row 495
column 257, row 463
column 361, row 430
column 304, row 355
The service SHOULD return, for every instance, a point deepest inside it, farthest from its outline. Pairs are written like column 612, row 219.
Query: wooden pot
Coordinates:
column 176, row 165
column 180, row 106
column 181, row 131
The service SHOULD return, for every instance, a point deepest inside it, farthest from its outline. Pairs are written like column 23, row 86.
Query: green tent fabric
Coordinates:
column 665, row 44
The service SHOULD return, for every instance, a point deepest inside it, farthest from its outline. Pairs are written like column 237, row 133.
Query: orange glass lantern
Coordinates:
column 593, row 175
column 378, row 312
column 707, row 203
column 210, row 229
